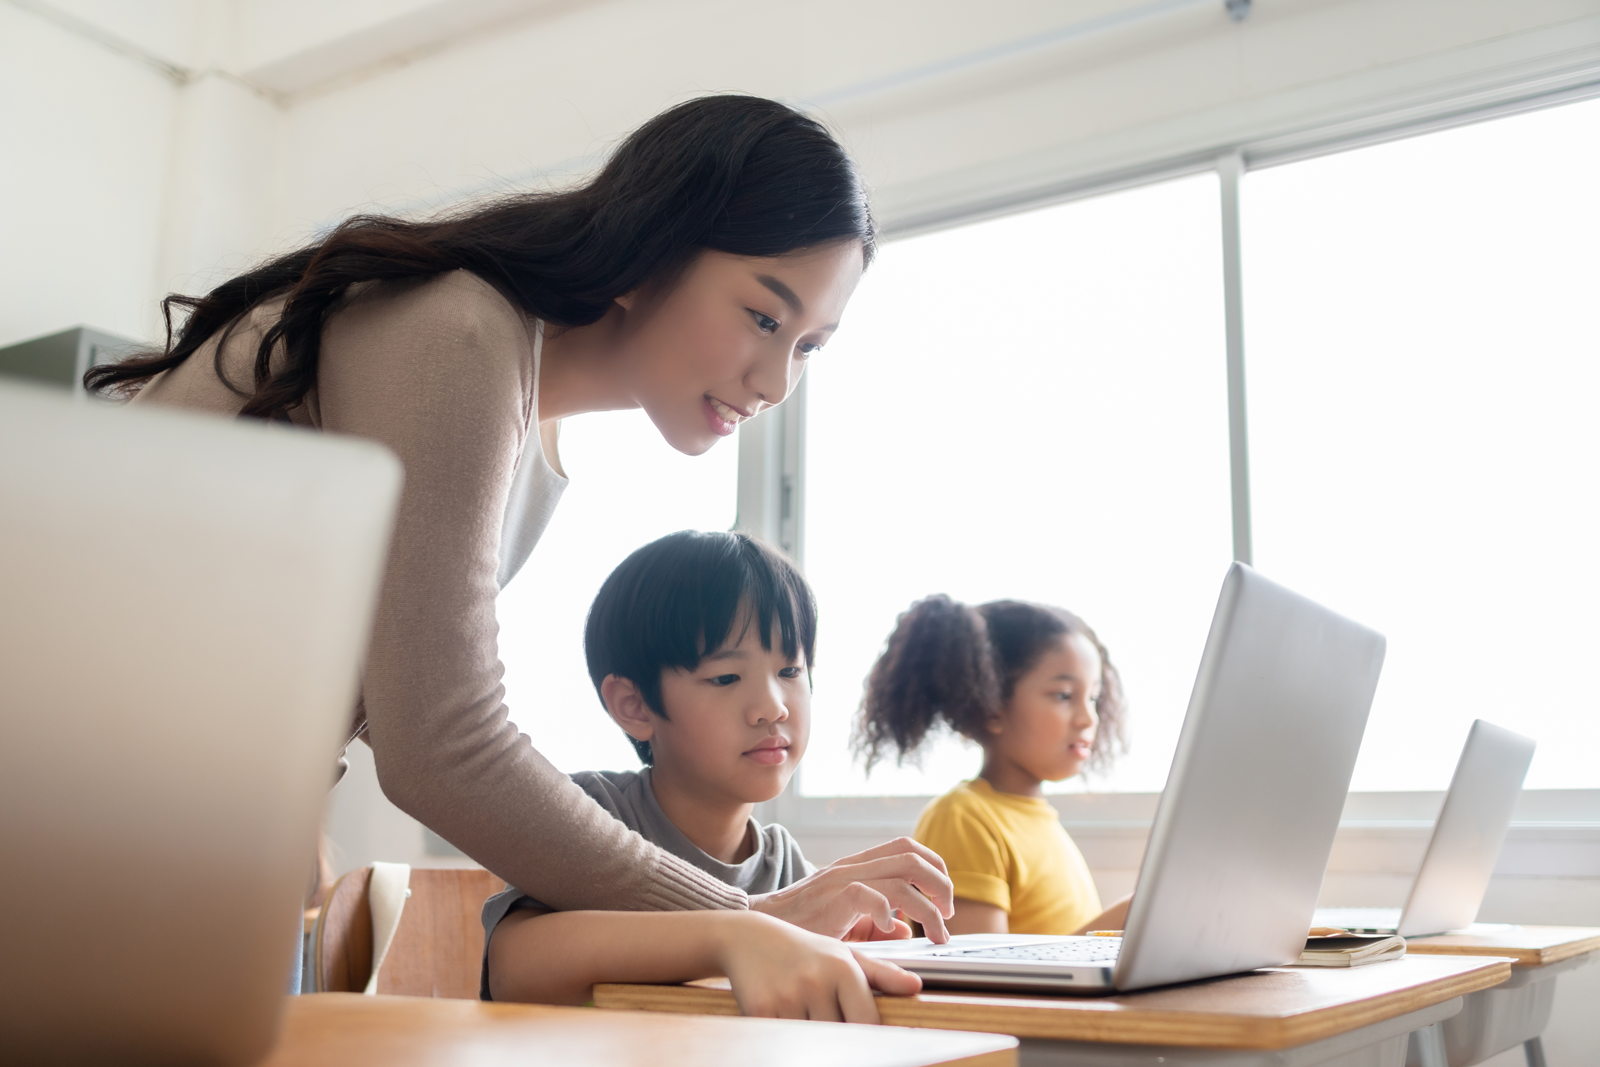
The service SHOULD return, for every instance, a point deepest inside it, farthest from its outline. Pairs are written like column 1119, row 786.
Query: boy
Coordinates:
column 700, row 647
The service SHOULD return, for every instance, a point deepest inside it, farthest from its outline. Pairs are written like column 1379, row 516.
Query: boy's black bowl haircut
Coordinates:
column 678, row 599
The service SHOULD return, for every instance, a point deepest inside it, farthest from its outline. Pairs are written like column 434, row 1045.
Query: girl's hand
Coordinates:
column 781, row 971
column 897, row 875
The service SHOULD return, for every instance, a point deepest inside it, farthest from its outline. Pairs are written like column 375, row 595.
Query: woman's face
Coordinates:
column 731, row 337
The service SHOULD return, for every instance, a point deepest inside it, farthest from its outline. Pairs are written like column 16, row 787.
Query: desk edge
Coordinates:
column 1525, row 957
column 1155, row 1027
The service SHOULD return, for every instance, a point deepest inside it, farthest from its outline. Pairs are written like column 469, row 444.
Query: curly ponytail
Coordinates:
column 938, row 666
column 950, row 663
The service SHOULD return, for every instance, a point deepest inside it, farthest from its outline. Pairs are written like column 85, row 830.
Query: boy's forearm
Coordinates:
column 557, row 958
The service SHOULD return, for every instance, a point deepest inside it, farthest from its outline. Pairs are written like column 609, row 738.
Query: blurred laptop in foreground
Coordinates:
column 1246, row 823
column 184, row 604
column 1466, row 842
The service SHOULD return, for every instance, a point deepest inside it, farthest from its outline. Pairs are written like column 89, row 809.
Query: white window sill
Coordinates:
column 1555, row 834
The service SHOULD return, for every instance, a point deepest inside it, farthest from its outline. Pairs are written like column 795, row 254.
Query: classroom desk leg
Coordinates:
column 1498, row 1020
column 1382, row 1044
column 1427, row 1047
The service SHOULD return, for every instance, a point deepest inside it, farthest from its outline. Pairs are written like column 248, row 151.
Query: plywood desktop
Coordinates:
column 1275, row 1008
column 351, row 1030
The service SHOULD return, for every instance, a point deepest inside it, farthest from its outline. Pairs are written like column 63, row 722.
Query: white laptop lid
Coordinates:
column 1469, row 833
column 1247, row 819
column 184, row 604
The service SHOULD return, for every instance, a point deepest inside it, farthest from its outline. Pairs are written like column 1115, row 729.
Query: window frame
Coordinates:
column 771, row 501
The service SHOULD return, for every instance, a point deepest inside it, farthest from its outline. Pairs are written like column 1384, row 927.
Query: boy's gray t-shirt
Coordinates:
column 776, row 862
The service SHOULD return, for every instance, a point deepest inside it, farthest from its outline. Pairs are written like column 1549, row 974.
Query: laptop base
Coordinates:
column 1359, row 920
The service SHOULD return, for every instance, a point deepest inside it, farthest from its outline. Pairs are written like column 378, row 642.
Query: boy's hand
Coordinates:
column 896, row 875
column 777, row 969
column 782, row 972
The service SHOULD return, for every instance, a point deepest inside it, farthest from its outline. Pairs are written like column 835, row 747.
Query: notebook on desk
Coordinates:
column 1245, row 825
column 1465, row 845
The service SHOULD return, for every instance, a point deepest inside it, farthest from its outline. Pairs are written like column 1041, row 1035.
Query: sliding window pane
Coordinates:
column 627, row 488
column 1033, row 407
column 1424, row 371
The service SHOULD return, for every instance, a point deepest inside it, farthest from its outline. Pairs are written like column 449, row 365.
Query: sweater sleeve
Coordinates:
column 442, row 374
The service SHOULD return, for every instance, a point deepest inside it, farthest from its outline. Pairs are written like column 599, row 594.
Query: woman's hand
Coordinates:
column 780, row 971
column 869, row 887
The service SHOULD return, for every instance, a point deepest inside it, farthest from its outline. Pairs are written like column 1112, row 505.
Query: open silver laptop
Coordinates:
column 1465, row 845
column 1245, row 825
column 184, row 605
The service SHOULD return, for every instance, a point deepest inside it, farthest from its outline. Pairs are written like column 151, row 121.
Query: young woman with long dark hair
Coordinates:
column 692, row 277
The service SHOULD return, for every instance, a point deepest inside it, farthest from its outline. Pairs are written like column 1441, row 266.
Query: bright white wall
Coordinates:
column 85, row 138
column 550, row 93
column 300, row 112
column 169, row 28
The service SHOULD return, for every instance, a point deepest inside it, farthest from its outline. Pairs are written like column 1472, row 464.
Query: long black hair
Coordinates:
column 947, row 663
column 736, row 174
column 677, row 600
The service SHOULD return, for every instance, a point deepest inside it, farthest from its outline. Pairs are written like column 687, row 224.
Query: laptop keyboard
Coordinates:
column 1088, row 950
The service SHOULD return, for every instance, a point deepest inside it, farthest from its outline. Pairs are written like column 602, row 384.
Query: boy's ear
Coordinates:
column 627, row 707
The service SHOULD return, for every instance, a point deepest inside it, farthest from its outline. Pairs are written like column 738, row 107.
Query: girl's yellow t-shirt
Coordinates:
column 1011, row 851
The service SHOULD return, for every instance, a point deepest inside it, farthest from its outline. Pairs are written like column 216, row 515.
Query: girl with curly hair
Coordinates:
column 1036, row 689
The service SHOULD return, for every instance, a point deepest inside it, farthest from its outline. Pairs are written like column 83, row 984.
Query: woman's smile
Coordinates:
column 724, row 418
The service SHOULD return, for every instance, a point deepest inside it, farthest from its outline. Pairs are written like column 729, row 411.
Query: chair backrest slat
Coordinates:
column 437, row 950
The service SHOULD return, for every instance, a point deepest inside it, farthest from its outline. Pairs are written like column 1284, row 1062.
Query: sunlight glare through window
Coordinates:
column 1423, row 367
column 1033, row 407
column 628, row 487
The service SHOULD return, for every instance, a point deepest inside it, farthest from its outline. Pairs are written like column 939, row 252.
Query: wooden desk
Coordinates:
column 1494, row 1020
column 351, row 1030
column 1530, row 946
column 1324, row 1015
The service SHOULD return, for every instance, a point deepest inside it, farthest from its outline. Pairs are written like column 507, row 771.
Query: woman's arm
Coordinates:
column 776, row 969
column 441, row 373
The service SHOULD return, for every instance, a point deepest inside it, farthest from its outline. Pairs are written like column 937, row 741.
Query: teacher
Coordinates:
column 692, row 277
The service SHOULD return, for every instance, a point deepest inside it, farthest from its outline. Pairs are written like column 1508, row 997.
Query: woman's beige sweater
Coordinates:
column 443, row 373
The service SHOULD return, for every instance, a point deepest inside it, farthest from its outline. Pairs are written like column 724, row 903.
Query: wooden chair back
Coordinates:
column 437, row 949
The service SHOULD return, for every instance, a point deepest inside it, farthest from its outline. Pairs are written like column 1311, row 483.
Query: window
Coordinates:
column 627, row 488
column 1423, row 367
column 1036, row 407
column 1032, row 407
